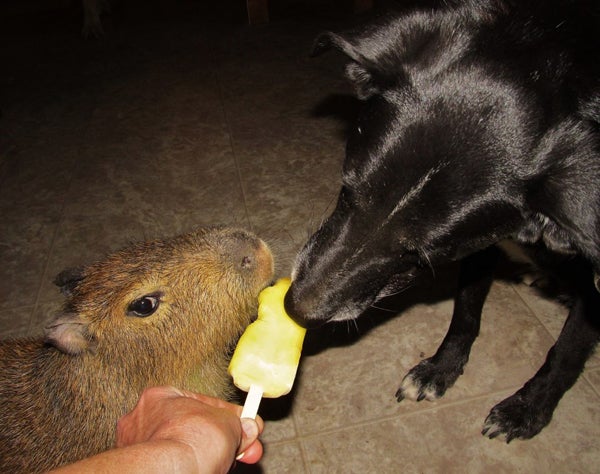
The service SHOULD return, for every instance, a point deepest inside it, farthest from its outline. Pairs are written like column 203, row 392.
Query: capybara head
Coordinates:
column 167, row 309
column 165, row 312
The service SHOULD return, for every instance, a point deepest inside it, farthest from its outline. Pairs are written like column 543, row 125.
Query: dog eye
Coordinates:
column 144, row 306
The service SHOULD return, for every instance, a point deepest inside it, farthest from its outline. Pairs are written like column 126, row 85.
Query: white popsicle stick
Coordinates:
column 252, row 402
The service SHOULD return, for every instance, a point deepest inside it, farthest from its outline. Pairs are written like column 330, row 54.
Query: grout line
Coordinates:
column 533, row 312
column 231, row 143
column 80, row 147
column 583, row 375
column 44, row 273
column 301, row 445
column 382, row 419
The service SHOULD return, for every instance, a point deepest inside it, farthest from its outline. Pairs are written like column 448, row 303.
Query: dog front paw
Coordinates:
column 516, row 418
column 427, row 381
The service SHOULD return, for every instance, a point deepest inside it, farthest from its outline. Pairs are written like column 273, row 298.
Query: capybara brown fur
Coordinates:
column 165, row 312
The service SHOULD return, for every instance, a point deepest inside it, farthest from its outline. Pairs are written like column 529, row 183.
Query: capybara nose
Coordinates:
column 302, row 310
column 250, row 255
column 247, row 261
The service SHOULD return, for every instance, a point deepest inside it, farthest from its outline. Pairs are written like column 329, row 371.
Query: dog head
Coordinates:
column 450, row 154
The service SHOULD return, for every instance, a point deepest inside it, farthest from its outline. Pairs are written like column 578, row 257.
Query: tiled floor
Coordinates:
column 184, row 116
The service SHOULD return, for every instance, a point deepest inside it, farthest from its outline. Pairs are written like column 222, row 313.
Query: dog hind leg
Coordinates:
column 524, row 414
column 433, row 376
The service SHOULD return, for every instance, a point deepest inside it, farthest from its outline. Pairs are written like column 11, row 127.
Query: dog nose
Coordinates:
column 301, row 309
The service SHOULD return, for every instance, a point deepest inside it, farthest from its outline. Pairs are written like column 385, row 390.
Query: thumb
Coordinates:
column 250, row 450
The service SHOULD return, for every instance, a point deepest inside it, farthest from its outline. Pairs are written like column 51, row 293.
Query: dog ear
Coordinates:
column 68, row 333
column 366, row 76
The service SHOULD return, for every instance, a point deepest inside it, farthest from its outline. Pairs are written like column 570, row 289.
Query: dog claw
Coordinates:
column 493, row 434
column 421, row 397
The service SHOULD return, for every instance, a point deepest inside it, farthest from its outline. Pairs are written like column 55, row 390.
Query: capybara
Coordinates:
column 166, row 312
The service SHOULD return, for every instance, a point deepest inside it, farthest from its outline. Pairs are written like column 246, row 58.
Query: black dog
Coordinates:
column 481, row 122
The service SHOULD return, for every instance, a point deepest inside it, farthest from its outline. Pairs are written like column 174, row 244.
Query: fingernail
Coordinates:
column 249, row 427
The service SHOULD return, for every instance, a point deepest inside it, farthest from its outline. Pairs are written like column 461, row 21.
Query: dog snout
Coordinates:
column 301, row 309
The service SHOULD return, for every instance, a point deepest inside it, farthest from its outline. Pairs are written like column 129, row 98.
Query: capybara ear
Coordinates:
column 68, row 333
column 68, row 279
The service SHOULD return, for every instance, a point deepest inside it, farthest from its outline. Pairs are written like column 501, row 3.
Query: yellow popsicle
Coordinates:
column 266, row 357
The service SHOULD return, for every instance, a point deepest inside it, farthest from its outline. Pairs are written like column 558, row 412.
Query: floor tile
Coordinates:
column 15, row 321
column 284, row 458
column 447, row 439
column 25, row 244
column 551, row 314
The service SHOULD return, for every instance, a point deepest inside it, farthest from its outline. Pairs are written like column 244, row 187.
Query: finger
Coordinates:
column 129, row 426
column 219, row 403
column 250, row 449
column 250, row 431
column 213, row 401
column 252, row 454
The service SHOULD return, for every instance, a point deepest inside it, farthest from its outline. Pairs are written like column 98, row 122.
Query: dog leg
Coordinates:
column 524, row 414
column 433, row 376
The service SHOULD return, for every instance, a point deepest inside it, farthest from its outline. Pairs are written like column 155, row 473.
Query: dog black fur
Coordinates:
column 480, row 122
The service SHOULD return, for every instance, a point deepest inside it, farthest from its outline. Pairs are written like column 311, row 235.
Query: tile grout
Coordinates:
column 61, row 215
column 380, row 419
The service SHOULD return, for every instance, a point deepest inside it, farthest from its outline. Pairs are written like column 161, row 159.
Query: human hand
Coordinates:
column 209, row 427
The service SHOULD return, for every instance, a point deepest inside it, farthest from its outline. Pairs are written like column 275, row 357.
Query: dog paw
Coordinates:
column 515, row 418
column 427, row 381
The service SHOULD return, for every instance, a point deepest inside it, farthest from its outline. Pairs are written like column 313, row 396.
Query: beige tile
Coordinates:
column 593, row 377
column 512, row 343
column 43, row 314
column 14, row 322
column 290, row 182
column 284, row 458
column 290, row 185
column 38, row 174
column 550, row 312
column 210, row 193
column 159, row 179
column 25, row 241
column 447, row 439
column 280, row 429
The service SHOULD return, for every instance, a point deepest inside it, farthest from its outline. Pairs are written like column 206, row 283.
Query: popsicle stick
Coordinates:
column 252, row 401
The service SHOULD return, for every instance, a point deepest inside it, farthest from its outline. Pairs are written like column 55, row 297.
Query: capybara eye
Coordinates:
column 144, row 306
